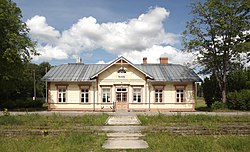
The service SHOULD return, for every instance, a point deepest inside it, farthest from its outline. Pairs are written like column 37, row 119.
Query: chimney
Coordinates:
column 78, row 60
column 163, row 60
column 145, row 60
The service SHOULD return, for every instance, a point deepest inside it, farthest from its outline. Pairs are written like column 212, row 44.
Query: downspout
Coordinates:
column 149, row 92
column 94, row 98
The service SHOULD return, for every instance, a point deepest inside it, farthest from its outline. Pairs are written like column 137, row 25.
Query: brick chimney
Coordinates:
column 163, row 60
column 145, row 60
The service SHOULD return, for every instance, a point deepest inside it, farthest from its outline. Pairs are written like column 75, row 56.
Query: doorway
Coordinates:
column 121, row 98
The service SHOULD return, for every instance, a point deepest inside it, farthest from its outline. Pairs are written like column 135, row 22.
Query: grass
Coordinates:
column 192, row 120
column 165, row 141
column 56, row 143
column 200, row 105
column 178, row 143
column 54, row 121
column 73, row 140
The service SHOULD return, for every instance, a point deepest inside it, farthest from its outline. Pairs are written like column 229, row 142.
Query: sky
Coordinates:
column 99, row 31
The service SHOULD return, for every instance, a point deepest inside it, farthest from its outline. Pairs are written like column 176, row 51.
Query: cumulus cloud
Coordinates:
column 40, row 30
column 135, row 37
column 155, row 52
column 48, row 53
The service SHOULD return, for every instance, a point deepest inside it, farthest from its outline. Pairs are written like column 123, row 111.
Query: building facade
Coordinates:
column 121, row 85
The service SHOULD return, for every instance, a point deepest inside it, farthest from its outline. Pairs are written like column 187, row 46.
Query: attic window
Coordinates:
column 121, row 71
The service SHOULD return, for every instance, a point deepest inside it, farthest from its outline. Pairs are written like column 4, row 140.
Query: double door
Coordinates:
column 121, row 98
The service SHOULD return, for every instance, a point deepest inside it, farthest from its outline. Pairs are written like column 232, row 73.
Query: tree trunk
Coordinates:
column 224, row 88
column 224, row 94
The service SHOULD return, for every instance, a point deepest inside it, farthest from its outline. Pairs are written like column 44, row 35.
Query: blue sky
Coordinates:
column 100, row 30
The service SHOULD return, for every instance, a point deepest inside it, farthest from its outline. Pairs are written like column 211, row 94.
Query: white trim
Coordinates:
column 116, row 60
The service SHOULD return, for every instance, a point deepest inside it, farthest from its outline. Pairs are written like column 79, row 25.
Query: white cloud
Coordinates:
column 137, row 36
column 40, row 30
column 101, row 62
column 154, row 53
column 48, row 53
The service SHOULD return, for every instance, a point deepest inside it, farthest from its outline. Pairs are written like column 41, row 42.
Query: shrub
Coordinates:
column 239, row 100
column 218, row 105
column 22, row 103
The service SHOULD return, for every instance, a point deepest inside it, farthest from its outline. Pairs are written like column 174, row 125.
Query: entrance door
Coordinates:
column 121, row 98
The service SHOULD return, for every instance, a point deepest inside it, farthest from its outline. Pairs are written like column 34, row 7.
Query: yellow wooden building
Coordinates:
column 121, row 85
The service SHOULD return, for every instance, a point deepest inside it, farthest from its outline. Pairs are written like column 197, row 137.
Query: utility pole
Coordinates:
column 34, row 73
column 46, row 86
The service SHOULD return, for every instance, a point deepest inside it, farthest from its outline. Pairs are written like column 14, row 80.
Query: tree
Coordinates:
column 219, row 33
column 211, row 90
column 15, row 47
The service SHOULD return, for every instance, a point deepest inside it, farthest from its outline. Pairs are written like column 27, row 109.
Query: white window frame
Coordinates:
column 84, row 95
column 137, row 95
column 106, row 95
column 62, row 94
column 158, row 95
column 180, row 95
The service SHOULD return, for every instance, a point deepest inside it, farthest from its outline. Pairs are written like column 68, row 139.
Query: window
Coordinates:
column 121, row 90
column 180, row 95
column 85, row 95
column 158, row 95
column 137, row 95
column 121, row 71
column 61, row 95
column 106, row 95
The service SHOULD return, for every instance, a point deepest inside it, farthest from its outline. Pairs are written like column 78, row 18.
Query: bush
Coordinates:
column 22, row 103
column 239, row 100
column 218, row 105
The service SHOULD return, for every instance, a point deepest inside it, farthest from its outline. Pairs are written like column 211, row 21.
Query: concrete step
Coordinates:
column 123, row 120
column 125, row 144
column 124, row 135
column 126, row 129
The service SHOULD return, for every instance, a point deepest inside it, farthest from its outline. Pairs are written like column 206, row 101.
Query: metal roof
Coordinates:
column 170, row 72
column 75, row 72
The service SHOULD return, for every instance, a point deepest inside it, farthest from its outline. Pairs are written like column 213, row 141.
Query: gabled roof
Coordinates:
column 170, row 72
column 121, row 58
column 75, row 72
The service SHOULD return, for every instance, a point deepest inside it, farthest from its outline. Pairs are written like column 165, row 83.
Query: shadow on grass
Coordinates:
column 205, row 109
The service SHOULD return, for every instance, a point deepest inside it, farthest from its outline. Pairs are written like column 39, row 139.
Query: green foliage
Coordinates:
column 238, row 80
column 22, row 103
column 239, row 100
column 15, row 54
column 211, row 90
column 217, row 33
column 218, row 105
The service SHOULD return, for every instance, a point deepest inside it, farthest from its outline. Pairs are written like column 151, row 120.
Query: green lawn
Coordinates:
column 75, row 140
column 70, row 139
column 192, row 120
column 72, row 142
column 195, row 143
column 162, row 140
column 55, row 121
column 200, row 105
